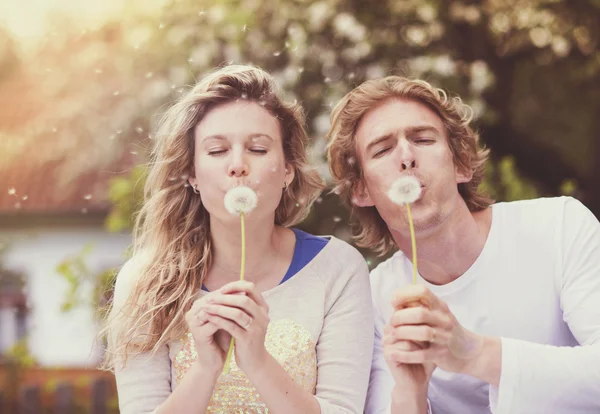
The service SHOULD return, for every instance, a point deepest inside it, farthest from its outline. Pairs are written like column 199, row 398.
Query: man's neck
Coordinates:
column 447, row 252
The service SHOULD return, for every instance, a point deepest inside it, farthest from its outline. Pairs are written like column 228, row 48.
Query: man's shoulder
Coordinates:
column 537, row 210
column 535, row 204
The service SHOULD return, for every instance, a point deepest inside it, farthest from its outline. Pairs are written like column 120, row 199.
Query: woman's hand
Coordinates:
column 211, row 343
column 240, row 310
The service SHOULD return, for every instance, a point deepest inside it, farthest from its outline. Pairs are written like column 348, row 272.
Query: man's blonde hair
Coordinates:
column 344, row 164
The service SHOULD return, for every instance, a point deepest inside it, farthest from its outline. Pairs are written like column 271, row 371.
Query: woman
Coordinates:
column 301, row 320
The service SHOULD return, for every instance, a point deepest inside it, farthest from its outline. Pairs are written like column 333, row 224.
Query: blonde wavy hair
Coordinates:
column 172, row 243
column 372, row 231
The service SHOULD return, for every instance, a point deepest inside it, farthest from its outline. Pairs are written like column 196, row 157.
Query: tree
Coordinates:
column 529, row 69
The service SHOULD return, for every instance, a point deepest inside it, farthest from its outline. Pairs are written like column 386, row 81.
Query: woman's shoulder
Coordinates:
column 338, row 257
column 128, row 276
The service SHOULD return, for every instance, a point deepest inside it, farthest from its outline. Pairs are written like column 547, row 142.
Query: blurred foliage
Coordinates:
column 530, row 69
column 19, row 355
column 126, row 195
column 502, row 182
column 74, row 271
column 77, row 274
column 15, row 361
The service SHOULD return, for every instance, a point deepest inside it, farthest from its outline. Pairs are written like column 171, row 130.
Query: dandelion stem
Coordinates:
column 413, row 242
column 242, row 270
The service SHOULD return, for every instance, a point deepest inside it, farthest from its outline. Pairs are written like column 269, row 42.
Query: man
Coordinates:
column 505, row 315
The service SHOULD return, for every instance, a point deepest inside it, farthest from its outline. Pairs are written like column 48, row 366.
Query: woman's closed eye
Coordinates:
column 217, row 151
column 258, row 150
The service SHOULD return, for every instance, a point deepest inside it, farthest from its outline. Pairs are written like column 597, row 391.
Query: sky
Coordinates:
column 26, row 19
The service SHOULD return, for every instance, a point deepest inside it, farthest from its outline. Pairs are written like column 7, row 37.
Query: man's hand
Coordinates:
column 422, row 318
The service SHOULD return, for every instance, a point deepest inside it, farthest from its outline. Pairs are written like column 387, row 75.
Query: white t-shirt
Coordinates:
column 536, row 284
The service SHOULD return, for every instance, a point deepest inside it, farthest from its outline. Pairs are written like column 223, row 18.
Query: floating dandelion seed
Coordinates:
column 337, row 219
column 149, row 75
column 245, row 28
column 351, row 161
column 277, row 53
column 139, row 130
column 54, row 129
column 84, row 210
column 12, row 191
column 319, row 200
column 25, row 197
column 98, row 71
column 244, row 95
column 87, row 197
column 17, row 205
column 161, row 26
column 116, row 93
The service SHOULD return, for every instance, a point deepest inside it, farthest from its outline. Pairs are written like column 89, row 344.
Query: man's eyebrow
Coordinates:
column 420, row 128
column 379, row 140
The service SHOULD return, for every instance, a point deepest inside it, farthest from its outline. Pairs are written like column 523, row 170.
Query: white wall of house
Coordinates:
column 57, row 338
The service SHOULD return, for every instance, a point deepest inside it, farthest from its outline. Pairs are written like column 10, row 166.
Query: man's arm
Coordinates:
column 545, row 378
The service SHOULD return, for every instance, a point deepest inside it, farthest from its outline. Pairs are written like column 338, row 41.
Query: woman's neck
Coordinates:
column 269, row 251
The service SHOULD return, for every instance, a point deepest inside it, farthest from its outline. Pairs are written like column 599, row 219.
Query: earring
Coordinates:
column 286, row 186
column 195, row 189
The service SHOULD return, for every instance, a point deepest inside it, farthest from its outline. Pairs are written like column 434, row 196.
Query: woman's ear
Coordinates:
column 290, row 174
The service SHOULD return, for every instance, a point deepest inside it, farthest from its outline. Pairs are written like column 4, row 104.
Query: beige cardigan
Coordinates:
column 321, row 332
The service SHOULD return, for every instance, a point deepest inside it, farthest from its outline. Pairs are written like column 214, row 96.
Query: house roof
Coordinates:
column 48, row 170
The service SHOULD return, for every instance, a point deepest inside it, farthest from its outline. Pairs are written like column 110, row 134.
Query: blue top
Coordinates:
column 307, row 247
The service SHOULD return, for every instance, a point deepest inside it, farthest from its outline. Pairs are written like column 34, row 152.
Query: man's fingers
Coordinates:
column 417, row 316
column 408, row 295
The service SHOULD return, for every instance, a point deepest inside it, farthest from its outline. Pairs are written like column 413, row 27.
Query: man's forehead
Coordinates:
column 395, row 115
